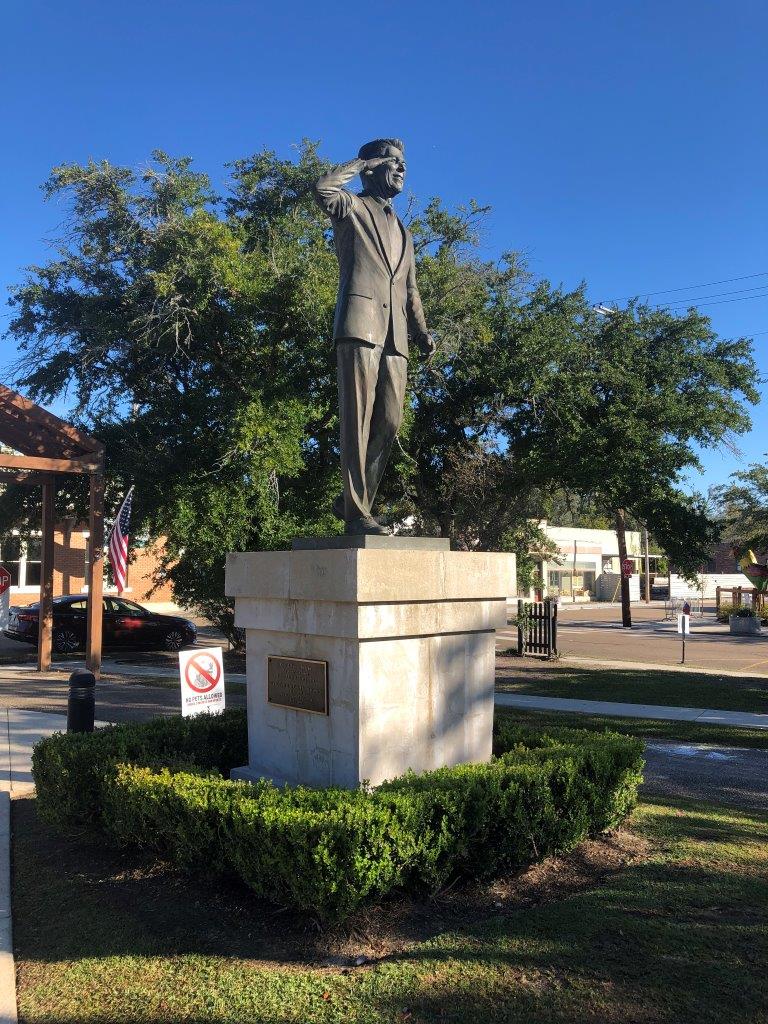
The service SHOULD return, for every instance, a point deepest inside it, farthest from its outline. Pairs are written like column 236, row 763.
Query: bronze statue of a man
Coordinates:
column 378, row 310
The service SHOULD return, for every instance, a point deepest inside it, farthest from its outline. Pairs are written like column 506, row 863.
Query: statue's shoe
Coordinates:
column 364, row 525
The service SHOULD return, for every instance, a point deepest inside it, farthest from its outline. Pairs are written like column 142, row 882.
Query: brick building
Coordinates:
column 723, row 560
column 70, row 559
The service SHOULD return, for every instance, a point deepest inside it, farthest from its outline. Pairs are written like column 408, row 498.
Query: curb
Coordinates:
column 110, row 672
column 8, row 1013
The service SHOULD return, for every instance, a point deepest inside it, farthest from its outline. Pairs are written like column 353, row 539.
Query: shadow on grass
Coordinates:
column 646, row 728
column 633, row 685
column 678, row 936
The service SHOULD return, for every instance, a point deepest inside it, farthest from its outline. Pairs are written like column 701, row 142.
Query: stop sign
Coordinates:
column 627, row 567
column 5, row 579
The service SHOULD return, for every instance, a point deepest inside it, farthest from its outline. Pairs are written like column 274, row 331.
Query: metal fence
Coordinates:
column 673, row 606
column 537, row 627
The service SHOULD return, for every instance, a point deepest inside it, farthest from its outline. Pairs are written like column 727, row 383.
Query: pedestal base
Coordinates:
column 409, row 641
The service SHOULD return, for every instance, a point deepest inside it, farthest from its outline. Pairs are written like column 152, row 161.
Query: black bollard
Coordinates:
column 82, row 701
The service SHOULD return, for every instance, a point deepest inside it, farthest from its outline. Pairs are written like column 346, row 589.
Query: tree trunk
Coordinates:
column 626, row 614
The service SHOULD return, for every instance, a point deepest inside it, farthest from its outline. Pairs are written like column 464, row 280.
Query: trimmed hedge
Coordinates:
column 73, row 772
column 160, row 787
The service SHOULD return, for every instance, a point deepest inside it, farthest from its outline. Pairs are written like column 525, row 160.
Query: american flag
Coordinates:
column 118, row 543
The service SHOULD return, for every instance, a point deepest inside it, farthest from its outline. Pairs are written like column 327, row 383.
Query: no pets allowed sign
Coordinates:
column 202, row 681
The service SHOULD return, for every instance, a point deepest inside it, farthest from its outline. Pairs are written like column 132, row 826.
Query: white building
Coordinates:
column 587, row 569
column 587, row 566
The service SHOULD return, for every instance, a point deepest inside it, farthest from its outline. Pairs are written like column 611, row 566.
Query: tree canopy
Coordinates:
column 644, row 390
column 192, row 332
column 744, row 506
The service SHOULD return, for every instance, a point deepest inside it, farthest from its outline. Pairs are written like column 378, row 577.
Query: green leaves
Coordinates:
column 193, row 332
column 744, row 505
column 326, row 851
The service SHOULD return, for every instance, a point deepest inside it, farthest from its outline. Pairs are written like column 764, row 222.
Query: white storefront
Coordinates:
column 587, row 565
column 586, row 568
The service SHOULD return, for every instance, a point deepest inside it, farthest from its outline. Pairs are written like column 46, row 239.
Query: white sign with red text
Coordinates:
column 202, row 681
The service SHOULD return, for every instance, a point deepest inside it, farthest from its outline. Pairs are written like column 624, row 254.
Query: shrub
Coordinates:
column 72, row 771
column 744, row 611
column 726, row 610
column 322, row 851
column 328, row 850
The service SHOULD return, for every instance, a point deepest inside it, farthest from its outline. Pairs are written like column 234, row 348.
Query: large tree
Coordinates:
column 744, row 508
column 642, row 392
column 191, row 331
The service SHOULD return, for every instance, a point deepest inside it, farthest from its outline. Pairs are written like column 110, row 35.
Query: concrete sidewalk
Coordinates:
column 19, row 732
column 703, row 716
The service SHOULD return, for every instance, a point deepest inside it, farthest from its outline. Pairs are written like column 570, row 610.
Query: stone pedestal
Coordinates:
column 407, row 629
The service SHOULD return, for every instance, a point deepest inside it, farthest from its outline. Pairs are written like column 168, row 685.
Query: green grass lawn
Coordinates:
column 647, row 728
column 673, row 928
column 633, row 686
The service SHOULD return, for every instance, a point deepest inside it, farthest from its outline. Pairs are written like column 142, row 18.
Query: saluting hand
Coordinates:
column 376, row 161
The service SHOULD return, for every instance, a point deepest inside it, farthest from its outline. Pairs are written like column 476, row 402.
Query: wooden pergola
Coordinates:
column 47, row 446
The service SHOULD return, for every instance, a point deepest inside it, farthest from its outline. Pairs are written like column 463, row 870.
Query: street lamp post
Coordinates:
column 647, row 566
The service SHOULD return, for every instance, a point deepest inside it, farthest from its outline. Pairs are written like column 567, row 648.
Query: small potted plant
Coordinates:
column 744, row 621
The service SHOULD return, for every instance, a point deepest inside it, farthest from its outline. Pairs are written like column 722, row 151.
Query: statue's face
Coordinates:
column 388, row 178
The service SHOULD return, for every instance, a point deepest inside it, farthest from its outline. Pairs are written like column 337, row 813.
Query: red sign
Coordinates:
column 627, row 567
column 5, row 579
column 202, row 673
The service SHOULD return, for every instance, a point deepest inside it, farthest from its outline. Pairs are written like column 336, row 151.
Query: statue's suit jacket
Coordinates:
column 372, row 293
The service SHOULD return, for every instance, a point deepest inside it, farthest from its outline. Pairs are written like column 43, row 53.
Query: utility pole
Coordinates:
column 647, row 566
column 626, row 614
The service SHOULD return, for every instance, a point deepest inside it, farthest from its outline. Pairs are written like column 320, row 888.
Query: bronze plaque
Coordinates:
column 298, row 683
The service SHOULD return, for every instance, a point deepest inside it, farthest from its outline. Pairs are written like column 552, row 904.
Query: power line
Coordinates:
column 694, row 287
column 720, row 302
column 717, row 295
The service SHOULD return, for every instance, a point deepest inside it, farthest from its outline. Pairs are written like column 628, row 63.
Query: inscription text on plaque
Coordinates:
column 298, row 683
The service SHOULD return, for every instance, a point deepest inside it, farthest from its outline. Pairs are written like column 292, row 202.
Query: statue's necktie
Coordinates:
column 394, row 236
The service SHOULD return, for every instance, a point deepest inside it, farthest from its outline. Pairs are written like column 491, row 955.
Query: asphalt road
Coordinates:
column 115, row 702
column 596, row 633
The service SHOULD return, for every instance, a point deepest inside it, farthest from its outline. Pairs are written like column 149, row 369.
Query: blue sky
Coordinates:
column 621, row 143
